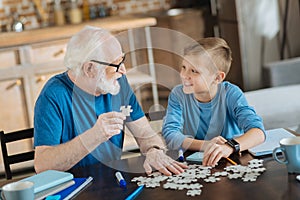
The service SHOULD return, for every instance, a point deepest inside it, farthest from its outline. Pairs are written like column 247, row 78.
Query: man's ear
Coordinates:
column 220, row 76
column 89, row 70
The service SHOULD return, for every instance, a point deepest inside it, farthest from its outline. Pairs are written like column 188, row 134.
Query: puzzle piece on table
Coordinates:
column 255, row 163
column 212, row 179
column 126, row 110
column 223, row 173
column 250, row 177
column 193, row 192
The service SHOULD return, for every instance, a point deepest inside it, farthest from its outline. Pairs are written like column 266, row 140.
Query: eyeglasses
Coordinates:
column 111, row 64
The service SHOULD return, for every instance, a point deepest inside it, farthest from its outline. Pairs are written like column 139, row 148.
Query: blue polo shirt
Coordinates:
column 64, row 111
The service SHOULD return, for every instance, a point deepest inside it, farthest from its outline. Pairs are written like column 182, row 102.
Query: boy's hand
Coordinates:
column 214, row 152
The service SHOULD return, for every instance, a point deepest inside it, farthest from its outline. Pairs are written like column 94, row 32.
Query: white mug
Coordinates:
column 18, row 191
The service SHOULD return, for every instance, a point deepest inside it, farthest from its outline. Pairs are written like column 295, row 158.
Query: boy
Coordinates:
column 206, row 113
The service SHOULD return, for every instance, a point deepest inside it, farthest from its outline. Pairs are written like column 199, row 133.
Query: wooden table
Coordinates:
column 274, row 183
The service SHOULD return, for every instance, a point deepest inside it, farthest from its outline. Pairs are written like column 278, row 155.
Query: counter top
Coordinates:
column 115, row 23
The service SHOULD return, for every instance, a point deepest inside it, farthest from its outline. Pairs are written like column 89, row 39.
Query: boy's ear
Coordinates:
column 220, row 76
column 89, row 70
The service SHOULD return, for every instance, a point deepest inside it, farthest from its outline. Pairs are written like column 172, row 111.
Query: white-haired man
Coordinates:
column 77, row 117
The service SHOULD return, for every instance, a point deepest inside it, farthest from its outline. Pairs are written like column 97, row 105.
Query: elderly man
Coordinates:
column 77, row 117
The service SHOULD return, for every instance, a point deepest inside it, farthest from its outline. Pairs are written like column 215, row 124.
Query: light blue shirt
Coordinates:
column 227, row 114
column 64, row 111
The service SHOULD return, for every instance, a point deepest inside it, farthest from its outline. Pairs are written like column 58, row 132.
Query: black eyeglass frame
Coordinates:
column 111, row 64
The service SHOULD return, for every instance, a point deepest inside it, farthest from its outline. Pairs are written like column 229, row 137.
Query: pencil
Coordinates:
column 231, row 161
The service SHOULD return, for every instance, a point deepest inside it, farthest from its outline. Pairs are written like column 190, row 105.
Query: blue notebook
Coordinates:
column 43, row 194
column 71, row 191
column 48, row 179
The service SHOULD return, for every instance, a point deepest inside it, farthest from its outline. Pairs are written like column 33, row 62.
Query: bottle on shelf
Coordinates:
column 93, row 11
column 102, row 11
column 59, row 16
column 85, row 10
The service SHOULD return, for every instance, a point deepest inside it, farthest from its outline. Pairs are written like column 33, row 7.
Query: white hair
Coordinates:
column 91, row 43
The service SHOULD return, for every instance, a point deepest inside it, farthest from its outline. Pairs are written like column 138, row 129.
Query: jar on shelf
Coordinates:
column 75, row 14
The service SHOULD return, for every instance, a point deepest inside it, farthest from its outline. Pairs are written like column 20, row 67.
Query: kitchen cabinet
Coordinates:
column 12, row 100
column 8, row 57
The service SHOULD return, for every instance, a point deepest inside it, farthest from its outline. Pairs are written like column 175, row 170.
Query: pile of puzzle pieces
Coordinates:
column 189, row 178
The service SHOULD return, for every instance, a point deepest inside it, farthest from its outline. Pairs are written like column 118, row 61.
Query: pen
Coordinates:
column 180, row 155
column 231, row 161
column 121, row 180
column 135, row 193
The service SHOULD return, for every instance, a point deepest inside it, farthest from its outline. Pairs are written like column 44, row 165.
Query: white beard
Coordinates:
column 108, row 86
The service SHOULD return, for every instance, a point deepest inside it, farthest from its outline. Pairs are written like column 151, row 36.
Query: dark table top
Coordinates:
column 274, row 183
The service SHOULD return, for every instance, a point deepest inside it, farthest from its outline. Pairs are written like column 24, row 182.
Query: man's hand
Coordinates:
column 163, row 163
column 109, row 124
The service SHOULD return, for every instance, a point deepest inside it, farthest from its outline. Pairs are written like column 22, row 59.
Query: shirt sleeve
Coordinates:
column 244, row 114
column 47, row 122
column 173, row 123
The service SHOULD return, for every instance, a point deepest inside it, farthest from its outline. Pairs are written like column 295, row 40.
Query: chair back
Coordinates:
column 9, row 159
column 130, row 145
column 156, row 115
column 156, row 120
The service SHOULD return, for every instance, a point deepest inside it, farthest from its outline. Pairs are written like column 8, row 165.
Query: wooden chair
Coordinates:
column 9, row 159
column 156, row 115
column 130, row 147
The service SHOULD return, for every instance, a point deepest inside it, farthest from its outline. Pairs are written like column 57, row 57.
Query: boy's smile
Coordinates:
column 197, row 79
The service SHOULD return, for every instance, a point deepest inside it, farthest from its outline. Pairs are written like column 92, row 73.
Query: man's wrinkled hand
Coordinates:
column 157, row 159
column 109, row 124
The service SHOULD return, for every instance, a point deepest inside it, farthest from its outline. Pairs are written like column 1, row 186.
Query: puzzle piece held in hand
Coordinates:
column 126, row 110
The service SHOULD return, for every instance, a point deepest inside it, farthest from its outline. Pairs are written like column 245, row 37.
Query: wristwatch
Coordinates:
column 234, row 144
column 157, row 147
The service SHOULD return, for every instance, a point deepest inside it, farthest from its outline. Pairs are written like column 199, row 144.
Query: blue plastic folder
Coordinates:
column 48, row 179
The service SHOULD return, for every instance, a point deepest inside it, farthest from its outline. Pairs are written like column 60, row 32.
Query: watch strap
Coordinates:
column 234, row 144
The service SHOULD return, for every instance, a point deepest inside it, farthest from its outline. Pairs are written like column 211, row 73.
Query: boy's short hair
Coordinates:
column 217, row 49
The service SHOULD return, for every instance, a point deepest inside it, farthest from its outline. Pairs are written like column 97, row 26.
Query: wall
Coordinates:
column 33, row 18
column 257, row 50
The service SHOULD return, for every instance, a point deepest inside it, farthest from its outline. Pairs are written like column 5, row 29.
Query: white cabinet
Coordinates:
column 13, row 105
